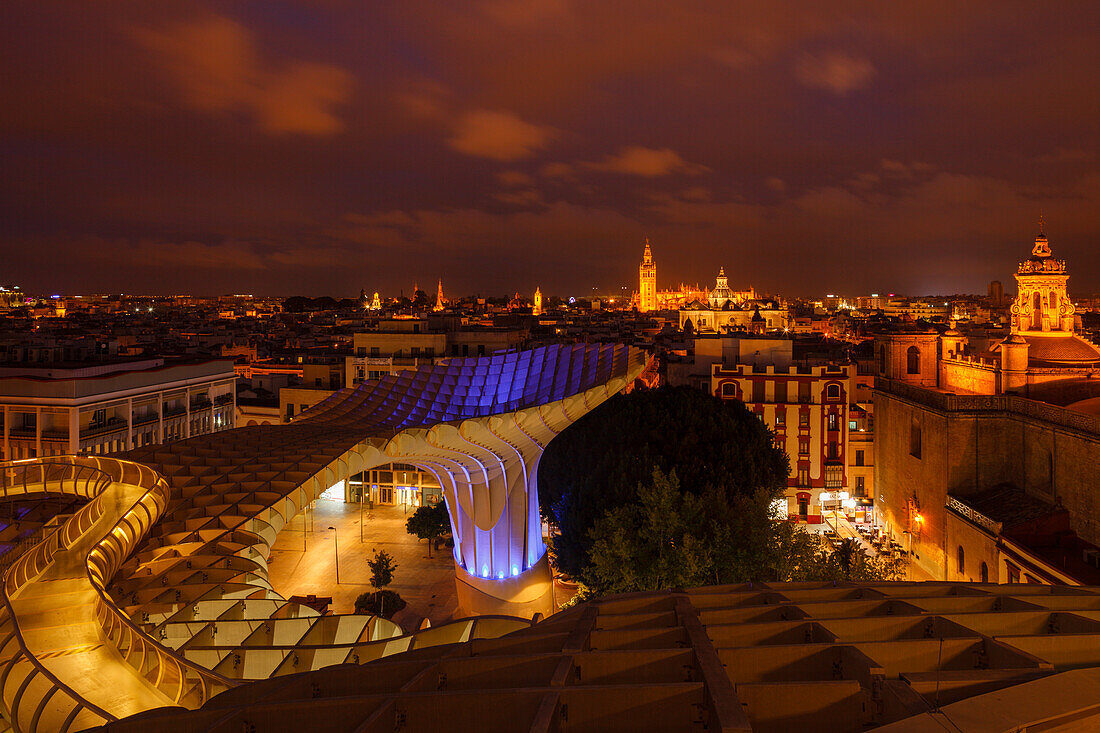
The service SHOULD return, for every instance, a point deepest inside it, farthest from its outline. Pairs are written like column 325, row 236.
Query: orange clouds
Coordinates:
column 498, row 136
column 217, row 68
column 835, row 72
column 646, row 162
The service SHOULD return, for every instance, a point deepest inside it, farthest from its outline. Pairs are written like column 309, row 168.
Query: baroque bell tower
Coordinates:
column 647, row 281
column 1042, row 305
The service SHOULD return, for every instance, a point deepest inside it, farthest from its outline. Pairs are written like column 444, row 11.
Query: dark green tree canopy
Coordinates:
column 598, row 463
column 429, row 523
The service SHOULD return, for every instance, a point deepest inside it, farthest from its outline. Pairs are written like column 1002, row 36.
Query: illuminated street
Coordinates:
column 427, row 585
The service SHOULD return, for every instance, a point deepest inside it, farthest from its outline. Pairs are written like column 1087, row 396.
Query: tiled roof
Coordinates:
column 1061, row 350
column 1009, row 505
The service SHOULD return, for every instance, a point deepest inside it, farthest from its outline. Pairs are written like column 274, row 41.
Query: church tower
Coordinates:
column 647, row 285
column 439, row 300
column 537, row 310
column 1042, row 305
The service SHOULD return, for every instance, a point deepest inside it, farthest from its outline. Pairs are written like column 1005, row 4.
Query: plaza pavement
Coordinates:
column 428, row 586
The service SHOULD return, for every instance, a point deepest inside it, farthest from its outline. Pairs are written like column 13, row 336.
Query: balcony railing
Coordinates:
column 973, row 515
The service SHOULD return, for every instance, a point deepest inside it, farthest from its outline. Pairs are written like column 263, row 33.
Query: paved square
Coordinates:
column 428, row 586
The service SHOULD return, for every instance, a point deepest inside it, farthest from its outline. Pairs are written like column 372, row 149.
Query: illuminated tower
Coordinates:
column 376, row 302
column 647, row 277
column 439, row 300
column 1041, row 305
column 537, row 310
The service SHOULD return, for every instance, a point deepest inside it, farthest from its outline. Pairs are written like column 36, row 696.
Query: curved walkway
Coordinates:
column 156, row 592
column 57, row 618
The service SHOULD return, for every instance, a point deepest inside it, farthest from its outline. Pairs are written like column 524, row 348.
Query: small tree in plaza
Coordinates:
column 429, row 523
column 382, row 568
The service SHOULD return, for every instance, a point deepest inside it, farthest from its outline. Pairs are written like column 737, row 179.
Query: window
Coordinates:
column 758, row 387
column 834, row 477
column 780, row 418
column 834, row 422
column 289, row 411
column 960, row 560
column 803, row 477
column 375, row 352
column 415, row 351
column 804, row 447
column 834, row 450
column 317, row 382
column 852, row 425
column 803, row 419
column 859, row 458
column 804, row 392
column 780, row 392
column 833, row 391
column 778, row 443
column 912, row 360
column 861, row 486
column 984, row 573
column 914, row 439
column 729, row 389
column 882, row 360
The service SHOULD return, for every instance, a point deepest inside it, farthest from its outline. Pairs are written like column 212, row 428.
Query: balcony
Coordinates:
column 111, row 425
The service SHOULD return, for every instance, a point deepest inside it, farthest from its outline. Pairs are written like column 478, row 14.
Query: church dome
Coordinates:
column 1067, row 350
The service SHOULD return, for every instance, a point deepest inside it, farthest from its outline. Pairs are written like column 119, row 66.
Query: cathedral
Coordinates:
column 648, row 299
column 987, row 447
column 1041, row 357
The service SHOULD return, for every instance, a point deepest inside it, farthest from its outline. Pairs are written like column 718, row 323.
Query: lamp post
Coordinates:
column 336, row 547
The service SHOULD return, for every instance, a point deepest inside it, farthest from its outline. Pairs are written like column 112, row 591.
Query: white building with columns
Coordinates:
column 99, row 408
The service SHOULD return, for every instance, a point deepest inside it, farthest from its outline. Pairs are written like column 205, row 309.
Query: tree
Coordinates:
column 598, row 463
column 658, row 542
column 382, row 568
column 429, row 523
column 420, row 299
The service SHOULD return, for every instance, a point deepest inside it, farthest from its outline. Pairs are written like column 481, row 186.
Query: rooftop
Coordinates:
column 764, row 657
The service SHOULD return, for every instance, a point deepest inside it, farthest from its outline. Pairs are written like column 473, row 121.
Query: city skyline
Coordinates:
column 292, row 149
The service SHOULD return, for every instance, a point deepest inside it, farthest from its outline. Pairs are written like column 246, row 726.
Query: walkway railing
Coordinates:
column 180, row 680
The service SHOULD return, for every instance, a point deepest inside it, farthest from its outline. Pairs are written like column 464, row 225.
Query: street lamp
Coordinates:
column 336, row 547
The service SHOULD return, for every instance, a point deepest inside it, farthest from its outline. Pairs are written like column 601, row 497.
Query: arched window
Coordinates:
column 1053, row 303
column 1037, row 311
column 984, row 573
column 729, row 389
column 833, row 392
column 882, row 360
column 912, row 360
column 961, row 560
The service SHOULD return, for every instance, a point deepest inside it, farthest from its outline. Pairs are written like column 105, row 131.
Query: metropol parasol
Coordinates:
column 156, row 591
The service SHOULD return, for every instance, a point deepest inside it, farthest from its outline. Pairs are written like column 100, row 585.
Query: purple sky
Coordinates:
column 323, row 147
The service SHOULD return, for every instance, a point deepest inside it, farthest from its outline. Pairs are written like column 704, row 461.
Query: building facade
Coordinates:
column 109, row 407
column 827, row 438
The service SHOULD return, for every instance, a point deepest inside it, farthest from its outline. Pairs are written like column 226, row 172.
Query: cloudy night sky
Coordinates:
column 323, row 147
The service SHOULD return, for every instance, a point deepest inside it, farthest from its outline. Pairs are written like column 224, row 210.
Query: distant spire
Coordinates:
column 1041, row 221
